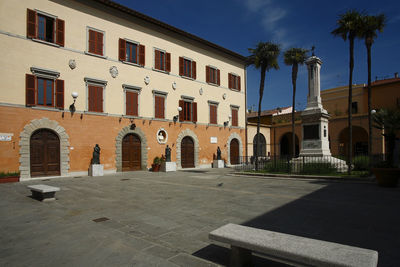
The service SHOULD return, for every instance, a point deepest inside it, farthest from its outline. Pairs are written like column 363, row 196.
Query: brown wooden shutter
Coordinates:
column 229, row 81
column 213, row 114
column 168, row 62
column 156, row 59
column 99, row 43
column 122, row 49
column 218, row 74
column 162, row 115
column 181, row 71
column 141, row 55
column 60, row 94
column 92, row 97
column 92, row 41
column 30, row 84
column 99, row 96
column 128, row 103
column 207, row 74
column 182, row 106
column 234, row 117
column 135, row 104
column 60, row 33
column 238, row 81
column 194, row 107
column 31, row 24
column 194, row 74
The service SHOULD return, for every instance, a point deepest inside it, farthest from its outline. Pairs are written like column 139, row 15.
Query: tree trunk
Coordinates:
column 263, row 70
column 294, row 78
column 368, row 44
column 350, row 145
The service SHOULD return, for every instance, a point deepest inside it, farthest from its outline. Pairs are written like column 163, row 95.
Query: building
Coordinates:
column 80, row 73
column 385, row 94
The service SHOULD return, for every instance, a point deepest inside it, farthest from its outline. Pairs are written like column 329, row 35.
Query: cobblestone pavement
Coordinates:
column 163, row 219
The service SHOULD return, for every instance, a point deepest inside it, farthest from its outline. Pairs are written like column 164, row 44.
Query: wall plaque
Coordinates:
column 311, row 132
column 213, row 139
column 6, row 136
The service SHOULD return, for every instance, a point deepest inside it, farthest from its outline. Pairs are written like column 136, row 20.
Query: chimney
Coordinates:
column 396, row 75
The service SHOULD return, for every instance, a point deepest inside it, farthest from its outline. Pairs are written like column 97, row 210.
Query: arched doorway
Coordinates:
column 261, row 147
column 286, row 145
column 187, row 152
column 131, row 153
column 44, row 153
column 234, row 148
column 360, row 141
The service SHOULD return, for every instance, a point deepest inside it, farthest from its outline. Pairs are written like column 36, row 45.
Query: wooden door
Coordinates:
column 187, row 152
column 45, row 153
column 234, row 147
column 131, row 153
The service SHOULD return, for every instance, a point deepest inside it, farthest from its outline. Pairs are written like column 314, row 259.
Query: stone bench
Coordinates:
column 289, row 248
column 43, row 192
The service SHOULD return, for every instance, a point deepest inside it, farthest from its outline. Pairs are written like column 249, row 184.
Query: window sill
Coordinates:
column 132, row 64
column 131, row 117
column 45, row 42
column 95, row 113
column 95, row 55
column 235, row 90
column 45, row 108
column 162, row 71
column 213, row 84
column 188, row 78
column 159, row 119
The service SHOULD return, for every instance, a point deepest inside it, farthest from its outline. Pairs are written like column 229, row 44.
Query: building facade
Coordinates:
column 80, row 73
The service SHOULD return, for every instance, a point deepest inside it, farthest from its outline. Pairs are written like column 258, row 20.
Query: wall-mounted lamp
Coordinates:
column 72, row 106
column 176, row 117
column 133, row 125
column 226, row 123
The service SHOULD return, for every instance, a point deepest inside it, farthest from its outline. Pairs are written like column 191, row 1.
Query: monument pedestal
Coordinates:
column 96, row 170
column 168, row 167
column 218, row 163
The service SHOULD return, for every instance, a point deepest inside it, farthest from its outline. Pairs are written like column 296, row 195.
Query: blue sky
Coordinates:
column 240, row 24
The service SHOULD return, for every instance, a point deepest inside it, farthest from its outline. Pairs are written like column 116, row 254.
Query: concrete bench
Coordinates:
column 43, row 192
column 289, row 248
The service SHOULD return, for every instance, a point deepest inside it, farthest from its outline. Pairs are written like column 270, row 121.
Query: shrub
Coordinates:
column 6, row 174
column 280, row 166
column 156, row 160
column 361, row 163
column 318, row 168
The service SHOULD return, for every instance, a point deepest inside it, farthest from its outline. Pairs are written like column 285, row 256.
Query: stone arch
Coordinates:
column 234, row 136
column 118, row 146
column 182, row 135
column 285, row 145
column 359, row 140
column 24, row 144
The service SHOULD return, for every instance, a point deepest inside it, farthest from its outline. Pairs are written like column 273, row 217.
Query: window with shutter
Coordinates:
column 213, row 114
column 212, row 75
column 95, row 98
column 234, row 81
column 132, row 103
column 95, row 42
column 42, row 90
column 235, row 117
column 159, row 106
column 45, row 27
column 162, row 60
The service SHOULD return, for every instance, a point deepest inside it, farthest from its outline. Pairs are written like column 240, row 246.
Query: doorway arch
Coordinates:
column 44, row 153
column 359, row 140
column 262, row 147
column 187, row 152
column 286, row 145
column 131, row 153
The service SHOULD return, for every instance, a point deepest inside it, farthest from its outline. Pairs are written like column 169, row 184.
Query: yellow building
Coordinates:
column 385, row 94
column 76, row 74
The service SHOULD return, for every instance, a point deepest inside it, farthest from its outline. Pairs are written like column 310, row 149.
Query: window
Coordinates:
column 131, row 52
column 213, row 112
column 45, row 27
column 95, row 42
column 189, row 110
column 95, row 93
column 354, row 107
column 233, row 81
column 44, row 89
column 159, row 104
column 235, row 118
column 131, row 100
column 187, row 67
column 162, row 60
column 212, row 75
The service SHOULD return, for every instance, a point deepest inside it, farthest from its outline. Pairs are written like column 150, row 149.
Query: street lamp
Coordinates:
column 72, row 108
column 176, row 117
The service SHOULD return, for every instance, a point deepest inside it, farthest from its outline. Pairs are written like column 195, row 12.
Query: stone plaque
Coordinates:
column 6, row 136
column 311, row 132
column 213, row 140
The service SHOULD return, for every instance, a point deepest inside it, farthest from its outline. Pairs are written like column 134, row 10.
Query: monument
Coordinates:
column 168, row 166
column 315, row 120
column 218, row 163
column 96, row 169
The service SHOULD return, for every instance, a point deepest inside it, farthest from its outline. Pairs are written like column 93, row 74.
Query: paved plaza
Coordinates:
column 163, row 219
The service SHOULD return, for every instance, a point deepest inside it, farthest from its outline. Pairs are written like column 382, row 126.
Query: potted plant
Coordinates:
column 388, row 120
column 155, row 167
column 9, row 177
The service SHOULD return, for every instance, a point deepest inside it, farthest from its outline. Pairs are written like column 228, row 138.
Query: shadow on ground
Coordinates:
column 361, row 215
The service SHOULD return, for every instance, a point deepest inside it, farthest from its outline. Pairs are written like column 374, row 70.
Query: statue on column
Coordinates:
column 96, row 155
column 168, row 154
column 218, row 153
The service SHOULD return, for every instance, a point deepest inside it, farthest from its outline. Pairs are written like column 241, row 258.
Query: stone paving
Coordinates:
column 163, row 219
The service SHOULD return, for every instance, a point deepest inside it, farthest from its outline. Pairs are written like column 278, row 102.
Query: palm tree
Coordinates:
column 369, row 27
column 293, row 57
column 263, row 57
column 348, row 27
